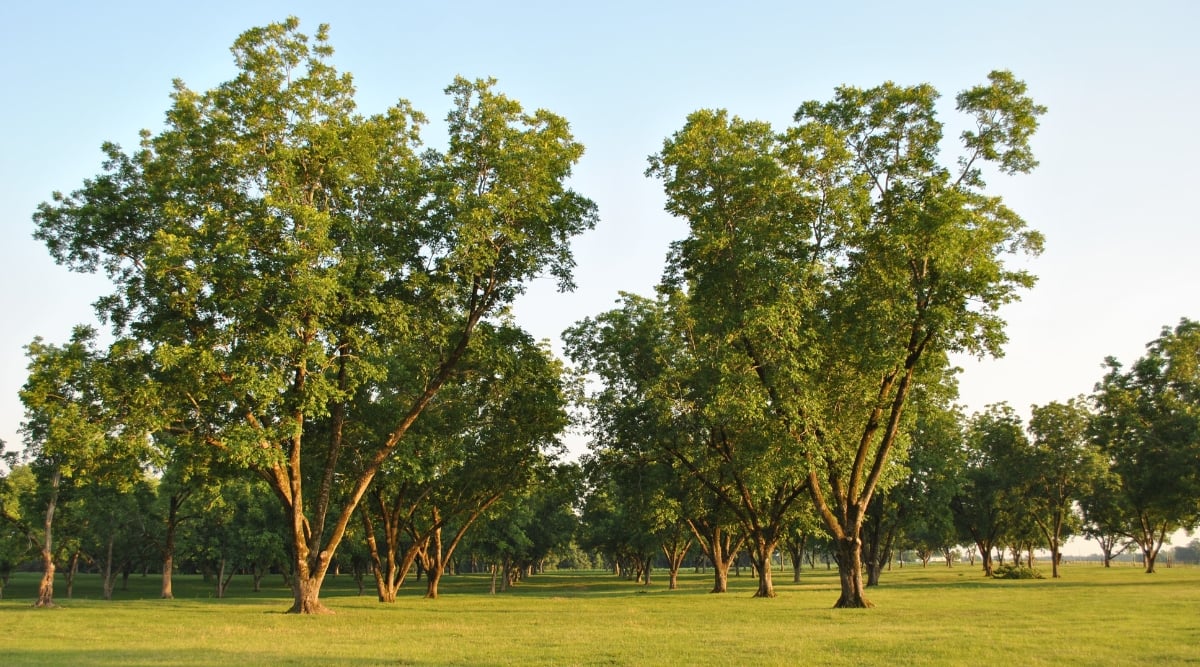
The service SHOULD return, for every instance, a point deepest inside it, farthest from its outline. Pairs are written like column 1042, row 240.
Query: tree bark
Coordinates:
column 718, row 544
column 45, row 596
column 760, row 555
column 850, row 574
column 168, row 592
column 795, row 548
column 307, row 578
column 72, row 570
column 109, row 575
column 435, row 565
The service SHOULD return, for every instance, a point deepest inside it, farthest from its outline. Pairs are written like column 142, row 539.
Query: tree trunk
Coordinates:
column 169, row 550
column 850, row 573
column 881, row 534
column 45, row 596
column 385, row 587
column 109, row 578
column 985, row 558
column 676, row 550
column 307, row 578
column 717, row 544
column 434, row 576
column 72, row 570
column 762, row 565
column 221, row 581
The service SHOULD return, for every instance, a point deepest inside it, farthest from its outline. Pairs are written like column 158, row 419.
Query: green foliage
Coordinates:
column 291, row 265
column 828, row 270
column 987, row 506
column 1147, row 424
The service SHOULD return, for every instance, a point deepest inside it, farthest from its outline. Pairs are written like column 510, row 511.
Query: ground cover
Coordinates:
column 933, row 615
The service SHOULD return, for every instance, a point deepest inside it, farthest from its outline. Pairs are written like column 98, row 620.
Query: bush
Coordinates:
column 1010, row 571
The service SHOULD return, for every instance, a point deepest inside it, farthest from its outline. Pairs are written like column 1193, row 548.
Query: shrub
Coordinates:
column 1010, row 571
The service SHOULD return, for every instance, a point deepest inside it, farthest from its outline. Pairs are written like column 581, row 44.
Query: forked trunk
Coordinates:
column 760, row 557
column 1149, row 557
column 307, row 595
column 717, row 544
column 432, row 580
column 721, row 578
column 675, row 551
column 307, row 579
column 850, row 572
column 985, row 557
column 795, row 548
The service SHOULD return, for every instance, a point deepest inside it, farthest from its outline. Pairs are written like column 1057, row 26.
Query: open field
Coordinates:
column 932, row 616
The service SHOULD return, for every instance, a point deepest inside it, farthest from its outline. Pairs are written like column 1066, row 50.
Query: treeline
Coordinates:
column 1116, row 467
column 312, row 361
column 222, row 526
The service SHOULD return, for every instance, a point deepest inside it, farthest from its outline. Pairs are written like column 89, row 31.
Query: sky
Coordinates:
column 1114, row 194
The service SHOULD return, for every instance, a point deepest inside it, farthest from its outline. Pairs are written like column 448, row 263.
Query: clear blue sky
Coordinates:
column 1114, row 194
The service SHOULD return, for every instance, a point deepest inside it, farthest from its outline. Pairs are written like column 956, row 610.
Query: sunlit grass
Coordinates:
column 924, row 616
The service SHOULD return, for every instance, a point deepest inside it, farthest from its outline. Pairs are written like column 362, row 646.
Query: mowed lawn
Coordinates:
column 936, row 615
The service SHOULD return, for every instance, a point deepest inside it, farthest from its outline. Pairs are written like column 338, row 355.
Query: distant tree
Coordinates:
column 1189, row 553
column 937, row 463
column 184, row 467
column 117, row 530
column 989, row 500
column 719, row 535
column 237, row 532
column 1063, row 466
column 482, row 439
column 17, row 541
column 618, row 518
column 1104, row 517
column 803, row 527
column 1148, row 426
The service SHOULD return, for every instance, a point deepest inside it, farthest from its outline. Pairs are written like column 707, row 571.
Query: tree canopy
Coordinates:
column 282, row 258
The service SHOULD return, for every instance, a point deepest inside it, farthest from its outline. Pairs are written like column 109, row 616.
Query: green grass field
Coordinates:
column 924, row 616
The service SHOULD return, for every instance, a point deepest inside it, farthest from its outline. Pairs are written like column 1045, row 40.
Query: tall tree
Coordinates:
column 283, row 256
column 828, row 265
column 1148, row 426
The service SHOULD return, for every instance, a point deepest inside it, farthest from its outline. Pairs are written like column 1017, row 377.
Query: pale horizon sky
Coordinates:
column 1113, row 194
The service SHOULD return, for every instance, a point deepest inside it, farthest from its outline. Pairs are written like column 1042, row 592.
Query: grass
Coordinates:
column 924, row 616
